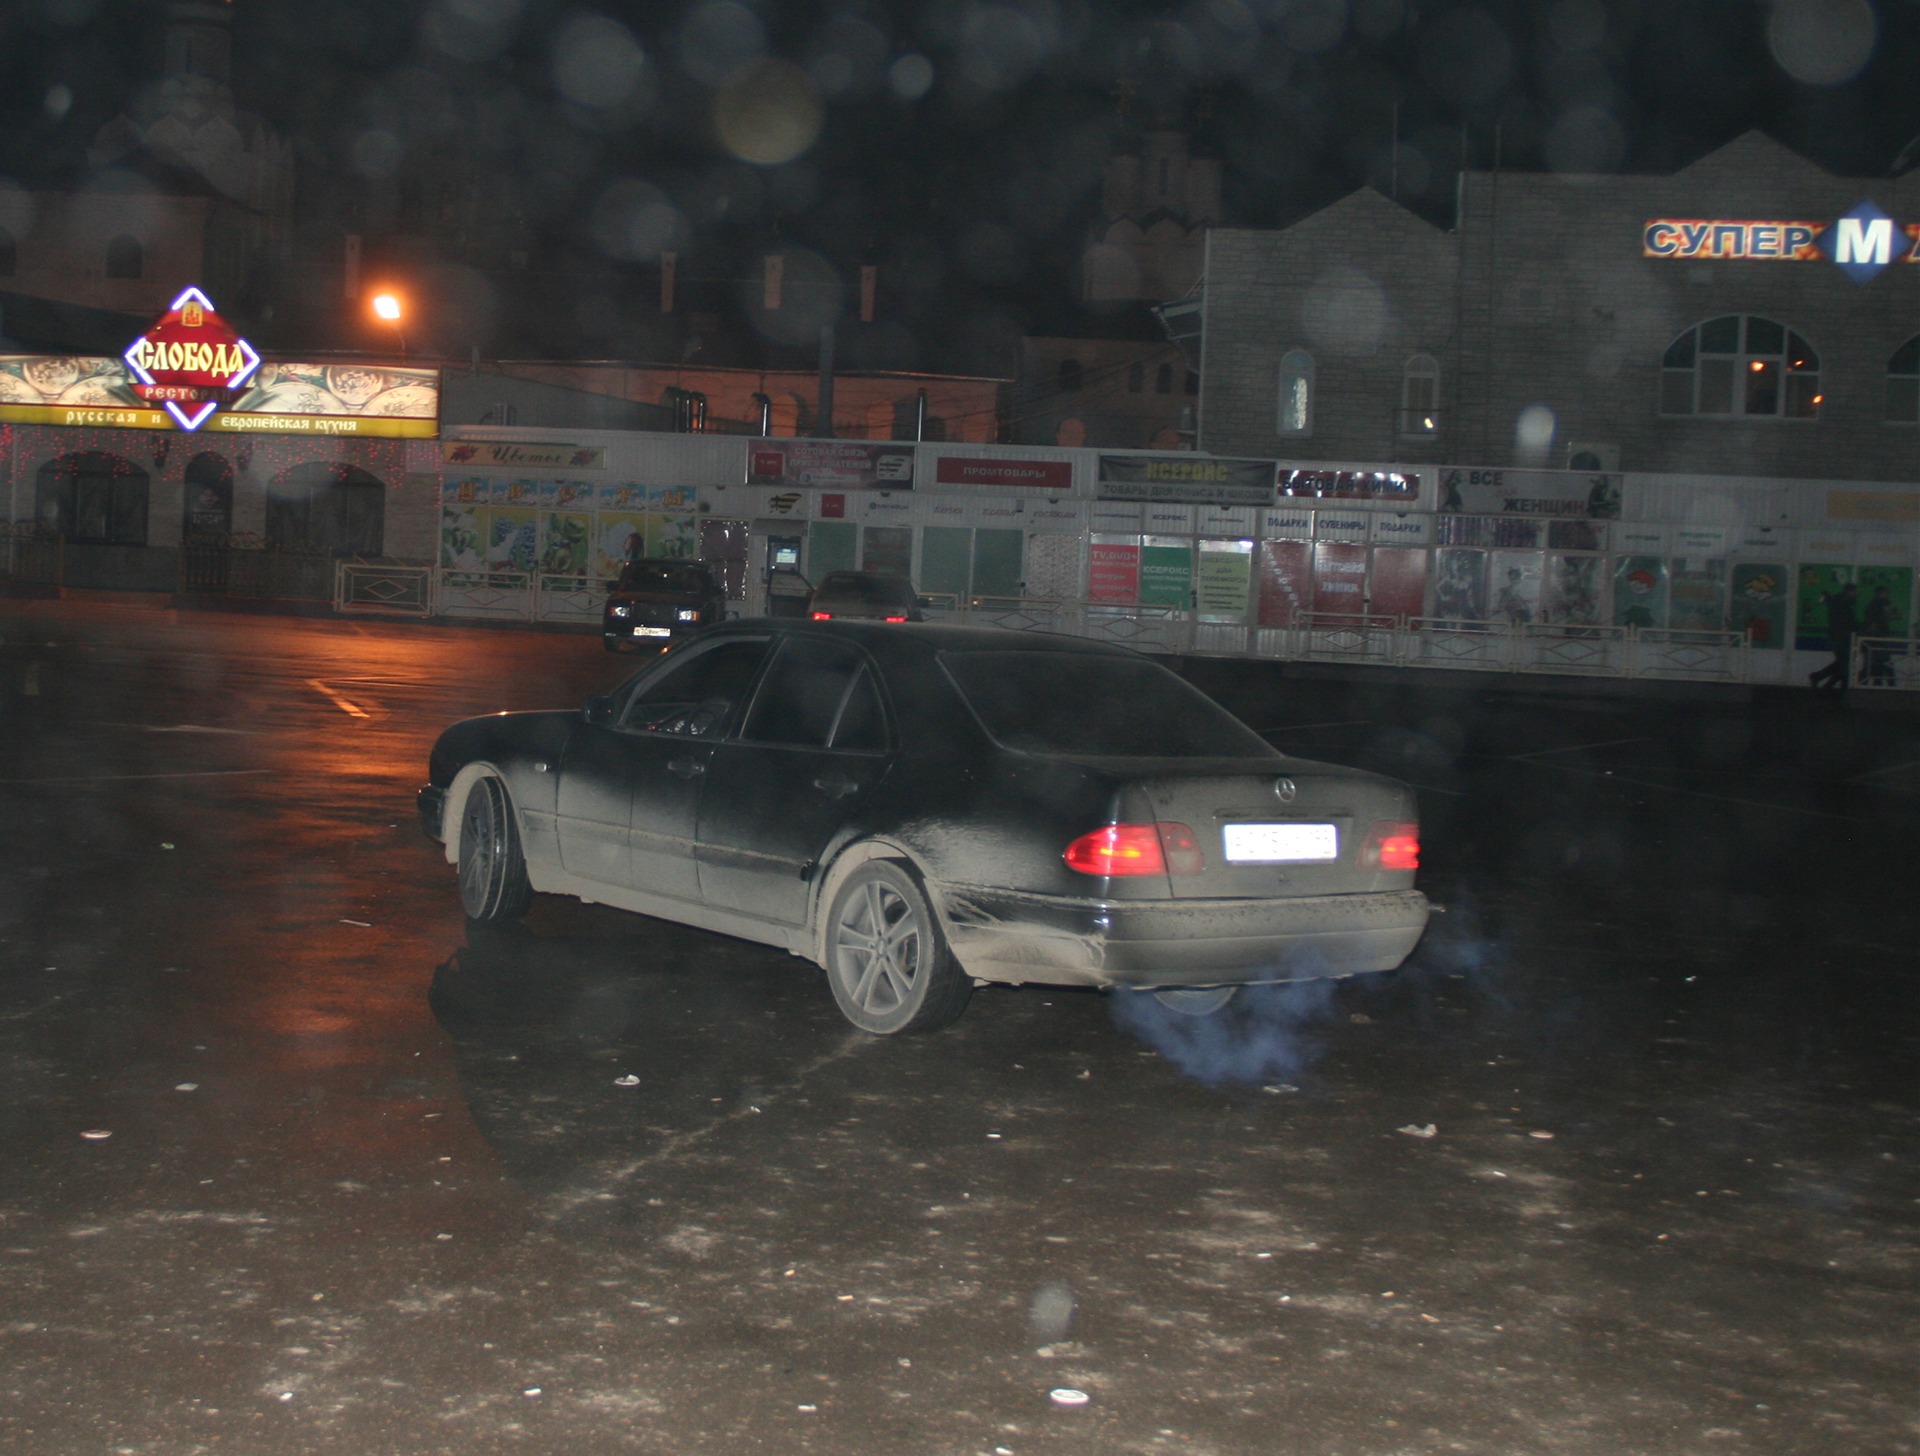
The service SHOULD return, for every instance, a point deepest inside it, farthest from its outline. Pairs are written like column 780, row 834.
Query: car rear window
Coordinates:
column 867, row 590
column 663, row 576
column 1073, row 705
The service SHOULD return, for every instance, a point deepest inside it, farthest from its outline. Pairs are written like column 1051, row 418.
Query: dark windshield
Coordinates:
column 875, row 591
column 663, row 576
column 1068, row 704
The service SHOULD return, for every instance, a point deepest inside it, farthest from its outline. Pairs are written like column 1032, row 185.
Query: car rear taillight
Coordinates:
column 823, row 616
column 1136, row 849
column 1391, row 846
column 894, row 619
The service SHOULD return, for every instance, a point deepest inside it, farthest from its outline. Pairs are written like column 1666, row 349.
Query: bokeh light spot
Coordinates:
column 597, row 62
column 768, row 113
column 1822, row 42
column 910, row 77
column 1465, row 57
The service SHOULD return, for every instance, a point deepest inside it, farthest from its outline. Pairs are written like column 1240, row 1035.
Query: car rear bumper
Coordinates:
column 1001, row 936
column 432, row 804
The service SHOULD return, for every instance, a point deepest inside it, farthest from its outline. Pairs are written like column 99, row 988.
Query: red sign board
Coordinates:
column 190, row 361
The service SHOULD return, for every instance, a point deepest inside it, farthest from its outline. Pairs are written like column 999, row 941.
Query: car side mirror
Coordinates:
column 598, row 709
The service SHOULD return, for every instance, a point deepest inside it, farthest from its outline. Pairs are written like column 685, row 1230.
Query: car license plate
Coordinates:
column 653, row 631
column 1279, row 843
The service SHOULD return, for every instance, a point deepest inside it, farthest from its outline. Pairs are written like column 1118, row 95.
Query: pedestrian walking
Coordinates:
column 1843, row 619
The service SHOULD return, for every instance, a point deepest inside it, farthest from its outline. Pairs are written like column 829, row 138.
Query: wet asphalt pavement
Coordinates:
column 1626, row 1159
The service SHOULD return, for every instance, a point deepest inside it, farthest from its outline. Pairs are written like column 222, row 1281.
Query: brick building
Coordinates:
column 1752, row 314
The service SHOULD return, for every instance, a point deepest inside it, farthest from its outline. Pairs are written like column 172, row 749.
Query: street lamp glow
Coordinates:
column 387, row 306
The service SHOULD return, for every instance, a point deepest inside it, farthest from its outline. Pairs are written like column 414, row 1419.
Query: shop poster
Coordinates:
column 1817, row 582
column 1166, row 572
column 1399, row 579
column 1113, row 570
column 1339, row 583
column 512, row 534
column 1897, row 583
column 1757, row 603
column 1640, row 592
column 1697, row 595
column 1460, row 586
column 566, row 542
column 1225, row 580
column 1286, row 582
column 1515, row 578
column 1571, row 594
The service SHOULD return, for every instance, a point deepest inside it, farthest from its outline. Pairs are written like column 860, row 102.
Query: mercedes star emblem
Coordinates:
column 1284, row 789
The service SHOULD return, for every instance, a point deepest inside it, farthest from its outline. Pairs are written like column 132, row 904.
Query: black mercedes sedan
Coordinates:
column 919, row 809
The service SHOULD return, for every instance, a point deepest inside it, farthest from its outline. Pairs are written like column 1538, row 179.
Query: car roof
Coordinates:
column 925, row 639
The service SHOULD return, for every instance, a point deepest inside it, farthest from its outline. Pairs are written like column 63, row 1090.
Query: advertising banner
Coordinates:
column 517, row 455
column 280, row 398
column 1113, row 569
column 1286, row 582
column 1224, row 581
column 1195, row 479
column 1530, row 493
column 1381, row 485
column 511, row 539
column 1758, row 604
column 566, row 537
column 965, row 470
column 830, row 464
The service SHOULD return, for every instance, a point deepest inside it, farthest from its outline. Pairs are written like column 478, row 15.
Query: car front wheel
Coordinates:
column 887, row 960
column 493, row 871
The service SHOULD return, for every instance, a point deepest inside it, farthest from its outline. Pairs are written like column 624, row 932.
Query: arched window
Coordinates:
column 1903, row 383
column 1296, row 393
column 207, row 504
column 93, row 496
column 1071, row 377
column 1137, row 379
column 1420, row 396
column 1740, row 365
column 1163, row 379
column 328, row 510
column 125, row 257
column 9, row 254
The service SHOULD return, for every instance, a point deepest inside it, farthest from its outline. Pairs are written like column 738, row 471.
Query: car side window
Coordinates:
column 863, row 720
column 695, row 697
column 805, row 699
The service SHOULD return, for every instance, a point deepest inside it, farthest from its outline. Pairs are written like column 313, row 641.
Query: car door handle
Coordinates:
column 687, row 767
column 836, row 784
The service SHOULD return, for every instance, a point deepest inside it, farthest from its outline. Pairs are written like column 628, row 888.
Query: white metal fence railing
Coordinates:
column 1566, row 649
column 368, row 587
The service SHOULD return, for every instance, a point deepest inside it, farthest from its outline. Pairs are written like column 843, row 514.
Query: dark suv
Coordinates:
column 658, row 599
column 875, row 595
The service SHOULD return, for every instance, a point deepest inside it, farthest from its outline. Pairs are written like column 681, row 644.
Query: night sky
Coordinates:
column 957, row 145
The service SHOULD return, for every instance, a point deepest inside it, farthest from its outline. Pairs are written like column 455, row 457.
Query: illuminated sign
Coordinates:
column 278, row 398
column 190, row 362
column 1194, row 479
column 1861, row 243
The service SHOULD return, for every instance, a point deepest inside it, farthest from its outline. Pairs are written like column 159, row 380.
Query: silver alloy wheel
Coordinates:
column 480, row 851
column 877, row 949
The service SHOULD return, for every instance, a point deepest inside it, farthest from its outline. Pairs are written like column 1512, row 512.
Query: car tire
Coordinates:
column 493, row 871
column 887, row 958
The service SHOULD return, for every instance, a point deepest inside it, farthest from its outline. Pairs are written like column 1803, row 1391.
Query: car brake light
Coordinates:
column 896, row 619
column 1392, row 846
column 1136, row 849
column 823, row 616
